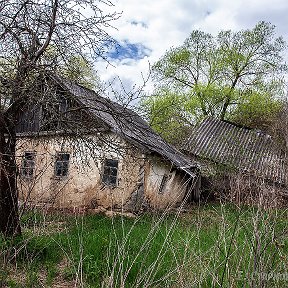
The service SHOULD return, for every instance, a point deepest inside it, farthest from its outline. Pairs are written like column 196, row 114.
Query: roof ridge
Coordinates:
column 129, row 125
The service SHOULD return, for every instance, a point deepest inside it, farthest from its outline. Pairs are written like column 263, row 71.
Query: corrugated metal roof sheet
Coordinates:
column 249, row 150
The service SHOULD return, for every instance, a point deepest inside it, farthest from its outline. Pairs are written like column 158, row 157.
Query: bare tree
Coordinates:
column 35, row 36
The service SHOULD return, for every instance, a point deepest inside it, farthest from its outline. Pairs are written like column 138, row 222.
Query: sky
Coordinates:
column 148, row 28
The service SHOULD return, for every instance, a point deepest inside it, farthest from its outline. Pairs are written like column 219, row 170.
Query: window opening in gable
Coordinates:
column 53, row 112
column 163, row 184
column 62, row 164
column 110, row 171
column 28, row 164
column 63, row 105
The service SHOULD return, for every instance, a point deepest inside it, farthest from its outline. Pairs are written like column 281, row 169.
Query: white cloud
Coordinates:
column 159, row 25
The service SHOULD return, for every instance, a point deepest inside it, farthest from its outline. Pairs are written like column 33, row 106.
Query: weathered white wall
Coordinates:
column 83, row 185
column 175, row 189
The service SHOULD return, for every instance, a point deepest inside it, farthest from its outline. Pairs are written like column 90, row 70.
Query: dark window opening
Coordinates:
column 63, row 105
column 110, row 172
column 62, row 164
column 50, row 116
column 163, row 183
column 54, row 113
column 28, row 165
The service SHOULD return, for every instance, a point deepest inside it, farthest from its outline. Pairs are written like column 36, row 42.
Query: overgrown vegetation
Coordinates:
column 214, row 245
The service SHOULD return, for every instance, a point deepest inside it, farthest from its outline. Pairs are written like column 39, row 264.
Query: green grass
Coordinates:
column 211, row 246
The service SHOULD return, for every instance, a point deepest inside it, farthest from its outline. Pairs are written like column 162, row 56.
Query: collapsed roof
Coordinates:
column 239, row 147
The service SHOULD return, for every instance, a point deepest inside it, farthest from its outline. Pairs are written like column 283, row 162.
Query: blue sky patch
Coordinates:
column 127, row 50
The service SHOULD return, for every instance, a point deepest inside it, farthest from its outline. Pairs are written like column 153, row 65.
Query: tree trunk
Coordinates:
column 9, row 216
column 224, row 108
column 228, row 97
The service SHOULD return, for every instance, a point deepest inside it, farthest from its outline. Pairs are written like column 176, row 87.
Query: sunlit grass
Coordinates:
column 210, row 246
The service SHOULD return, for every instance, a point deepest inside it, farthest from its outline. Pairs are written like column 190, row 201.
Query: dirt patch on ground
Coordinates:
column 23, row 278
column 61, row 278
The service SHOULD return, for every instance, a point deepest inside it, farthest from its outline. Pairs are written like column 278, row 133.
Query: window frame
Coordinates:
column 64, row 165
column 106, row 177
column 163, row 183
column 28, row 165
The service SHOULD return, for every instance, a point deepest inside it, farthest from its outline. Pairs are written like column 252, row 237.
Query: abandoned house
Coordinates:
column 78, row 149
column 239, row 148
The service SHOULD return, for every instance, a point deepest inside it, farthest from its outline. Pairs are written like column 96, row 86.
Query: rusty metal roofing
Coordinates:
column 239, row 147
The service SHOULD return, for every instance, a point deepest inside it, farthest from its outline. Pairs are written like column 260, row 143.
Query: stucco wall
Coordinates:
column 83, row 185
column 175, row 186
column 139, row 175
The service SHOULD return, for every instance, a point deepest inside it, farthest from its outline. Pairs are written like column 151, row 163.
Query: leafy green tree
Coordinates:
column 257, row 110
column 167, row 112
column 217, row 74
column 81, row 71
